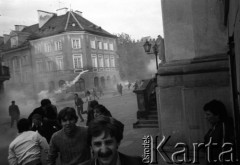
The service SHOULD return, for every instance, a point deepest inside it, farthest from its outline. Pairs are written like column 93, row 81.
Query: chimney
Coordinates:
column 62, row 11
column 6, row 38
column 43, row 17
column 19, row 27
column 78, row 12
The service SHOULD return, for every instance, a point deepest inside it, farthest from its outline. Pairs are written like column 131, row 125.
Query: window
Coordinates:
column 77, row 61
column 106, row 61
column 105, row 46
column 14, row 42
column 99, row 45
column 37, row 48
column 59, row 63
column 58, row 45
column 39, row 66
column 94, row 61
column 49, row 64
column 112, row 61
column 48, row 47
column 100, row 60
column 76, row 43
column 111, row 46
column 93, row 44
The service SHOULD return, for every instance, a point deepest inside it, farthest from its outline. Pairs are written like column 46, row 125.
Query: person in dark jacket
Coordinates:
column 14, row 113
column 79, row 106
column 90, row 112
column 104, row 137
column 221, row 131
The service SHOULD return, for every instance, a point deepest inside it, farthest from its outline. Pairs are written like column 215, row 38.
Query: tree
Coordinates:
column 133, row 61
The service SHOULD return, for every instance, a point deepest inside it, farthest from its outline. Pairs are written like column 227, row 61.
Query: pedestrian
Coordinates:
column 79, row 106
column 69, row 142
column 120, row 89
column 129, row 85
column 88, row 96
column 14, row 113
column 100, row 91
column 94, row 93
column 47, row 110
column 101, row 110
column 43, row 127
column 104, row 137
column 90, row 112
column 221, row 131
column 27, row 147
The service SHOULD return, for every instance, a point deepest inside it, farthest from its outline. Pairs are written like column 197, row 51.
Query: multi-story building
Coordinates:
column 47, row 55
column 4, row 71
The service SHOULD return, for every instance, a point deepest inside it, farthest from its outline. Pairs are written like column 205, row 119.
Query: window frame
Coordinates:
column 74, row 46
column 76, row 56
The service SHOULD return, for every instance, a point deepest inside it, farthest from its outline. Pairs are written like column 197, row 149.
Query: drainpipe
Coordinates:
column 234, row 92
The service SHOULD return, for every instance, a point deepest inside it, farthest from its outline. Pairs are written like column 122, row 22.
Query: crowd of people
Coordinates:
column 48, row 135
column 57, row 135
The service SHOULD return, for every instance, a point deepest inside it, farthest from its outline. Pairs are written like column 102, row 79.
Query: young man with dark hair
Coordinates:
column 104, row 137
column 27, row 147
column 70, row 141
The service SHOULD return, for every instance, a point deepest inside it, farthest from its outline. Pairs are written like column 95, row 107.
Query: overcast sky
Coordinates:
column 138, row 18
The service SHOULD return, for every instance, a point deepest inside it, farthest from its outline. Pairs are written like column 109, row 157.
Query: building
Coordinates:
column 201, row 64
column 4, row 71
column 47, row 55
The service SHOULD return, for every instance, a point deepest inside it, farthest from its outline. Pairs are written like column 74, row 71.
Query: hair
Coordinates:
column 37, row 117
column 23, row 125
column 13, row 101
column 106, row 125
column 45, row 102
column 68, row 112
column 217, row 108
column 93, row 104
column 76, row 94
column 103, row 110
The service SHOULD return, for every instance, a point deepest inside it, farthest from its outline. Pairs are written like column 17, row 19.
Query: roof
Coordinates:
column 68, row 22
column 65, row 23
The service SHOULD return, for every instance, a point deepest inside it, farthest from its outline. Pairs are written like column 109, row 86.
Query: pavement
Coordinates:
column 123, row 108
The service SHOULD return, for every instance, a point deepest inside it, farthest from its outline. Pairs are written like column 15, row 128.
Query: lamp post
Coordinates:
column 147, row 47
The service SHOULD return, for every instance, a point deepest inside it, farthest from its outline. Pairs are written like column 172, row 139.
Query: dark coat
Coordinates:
column 124, row 159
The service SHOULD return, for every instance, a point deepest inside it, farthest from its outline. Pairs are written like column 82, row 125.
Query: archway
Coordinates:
column 80, row 85
column 102, row 79
column 96, row 82
column 51, row 86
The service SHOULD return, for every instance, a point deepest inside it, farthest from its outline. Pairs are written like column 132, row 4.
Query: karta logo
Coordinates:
column 181, row 152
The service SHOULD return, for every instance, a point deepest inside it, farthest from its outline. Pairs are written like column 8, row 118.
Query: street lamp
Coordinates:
column 147, row 47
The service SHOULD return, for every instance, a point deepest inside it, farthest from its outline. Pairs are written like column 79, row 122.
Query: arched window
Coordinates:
column 80, row 85
column 96, row 82
column 102, row 79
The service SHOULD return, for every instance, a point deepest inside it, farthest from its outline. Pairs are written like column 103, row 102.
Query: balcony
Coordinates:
column 4, row 73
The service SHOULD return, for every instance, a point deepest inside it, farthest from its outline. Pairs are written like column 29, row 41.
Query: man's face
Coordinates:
column 69, row 124
column 212, row 118
column 105, row 149
column 75, row 96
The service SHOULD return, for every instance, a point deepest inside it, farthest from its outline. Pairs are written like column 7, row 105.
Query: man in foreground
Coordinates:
column 27, row 147
column 70, row 141
column 104, row 136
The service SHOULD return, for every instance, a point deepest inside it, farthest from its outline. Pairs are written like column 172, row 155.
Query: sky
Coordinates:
column 138, row 18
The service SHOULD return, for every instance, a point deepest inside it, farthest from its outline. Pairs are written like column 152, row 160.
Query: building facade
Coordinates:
column 47, row 55
column 198, row 67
